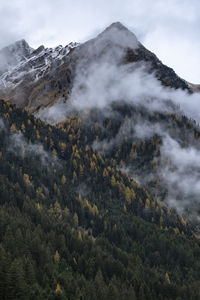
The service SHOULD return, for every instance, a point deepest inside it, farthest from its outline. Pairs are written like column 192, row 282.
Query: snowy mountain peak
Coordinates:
column 13, row 54
column 19, row 62
column 20, row 50
column 22, row 46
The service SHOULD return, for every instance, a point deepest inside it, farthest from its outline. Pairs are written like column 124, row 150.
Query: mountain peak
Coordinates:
column 14, row 53
column 117, row 25
column 21, row 42
column 20, row 46
column 119, row 35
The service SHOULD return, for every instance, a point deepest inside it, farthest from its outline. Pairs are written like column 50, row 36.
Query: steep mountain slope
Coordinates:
column 75, row 227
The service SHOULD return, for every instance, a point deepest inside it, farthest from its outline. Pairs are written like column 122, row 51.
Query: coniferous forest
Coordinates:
column 75, row 225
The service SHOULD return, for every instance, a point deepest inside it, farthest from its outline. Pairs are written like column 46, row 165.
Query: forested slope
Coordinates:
column 74, row 226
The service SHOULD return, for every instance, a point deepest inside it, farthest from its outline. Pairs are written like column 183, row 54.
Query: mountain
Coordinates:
column 99, row 172
column 37, row 78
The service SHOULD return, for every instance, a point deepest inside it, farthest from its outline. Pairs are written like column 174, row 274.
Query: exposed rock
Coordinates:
column 37, row 78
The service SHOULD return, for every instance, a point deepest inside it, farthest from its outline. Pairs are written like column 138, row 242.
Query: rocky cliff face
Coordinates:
column 37, row 78
column 22, row 69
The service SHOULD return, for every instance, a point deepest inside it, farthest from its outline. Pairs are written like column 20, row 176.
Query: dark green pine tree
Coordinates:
column 16, row 284
column 3, row 272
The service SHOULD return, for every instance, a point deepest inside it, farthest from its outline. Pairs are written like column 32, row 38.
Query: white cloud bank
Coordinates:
column 181, row 175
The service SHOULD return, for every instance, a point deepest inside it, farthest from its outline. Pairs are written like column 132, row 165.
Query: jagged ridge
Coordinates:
column 34, row 78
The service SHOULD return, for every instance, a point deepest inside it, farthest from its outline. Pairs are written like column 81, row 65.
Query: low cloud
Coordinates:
column 54, row 114
column 101, row 84
column 19, row 146
column 180, row 170
column 147, row 130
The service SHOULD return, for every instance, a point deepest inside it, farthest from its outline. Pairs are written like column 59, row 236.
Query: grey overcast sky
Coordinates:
column 169, row 28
